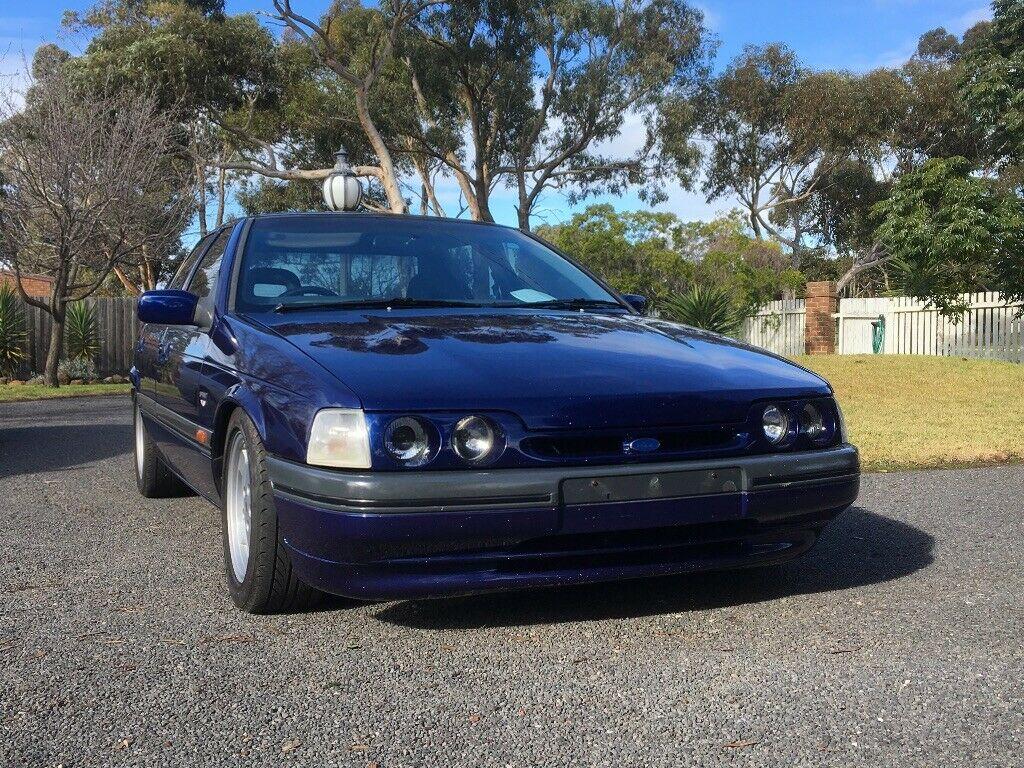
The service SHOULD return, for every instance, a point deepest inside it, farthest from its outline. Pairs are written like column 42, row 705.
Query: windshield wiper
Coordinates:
column 575, row 304
column 397, row 301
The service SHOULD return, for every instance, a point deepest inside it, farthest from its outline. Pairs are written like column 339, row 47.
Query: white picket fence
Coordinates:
column 990, row 328
column 778, row 327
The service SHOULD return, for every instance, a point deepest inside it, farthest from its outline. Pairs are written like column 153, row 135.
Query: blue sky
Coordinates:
column 838, row 34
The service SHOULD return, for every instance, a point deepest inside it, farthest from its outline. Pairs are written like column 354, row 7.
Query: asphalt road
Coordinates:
column 897, row 641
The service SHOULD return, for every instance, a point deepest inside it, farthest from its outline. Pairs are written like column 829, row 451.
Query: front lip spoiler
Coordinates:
column 504, row 489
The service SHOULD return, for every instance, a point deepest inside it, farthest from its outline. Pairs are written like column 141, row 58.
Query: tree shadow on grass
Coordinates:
column 858, row 549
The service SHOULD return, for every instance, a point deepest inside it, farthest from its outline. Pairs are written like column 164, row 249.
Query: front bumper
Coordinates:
column 388, row 535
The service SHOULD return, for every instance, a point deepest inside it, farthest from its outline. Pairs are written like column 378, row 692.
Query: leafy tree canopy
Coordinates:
column 992, row 83
column 950, row 231
column 658, row 256
column 634, row 251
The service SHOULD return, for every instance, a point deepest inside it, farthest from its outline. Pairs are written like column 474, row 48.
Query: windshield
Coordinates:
column 291, row 262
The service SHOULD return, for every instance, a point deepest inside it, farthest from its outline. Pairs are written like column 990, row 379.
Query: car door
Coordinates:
column 180, row 373
column 151, row 335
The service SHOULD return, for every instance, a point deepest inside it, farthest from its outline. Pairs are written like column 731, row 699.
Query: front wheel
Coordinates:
column 259, row 569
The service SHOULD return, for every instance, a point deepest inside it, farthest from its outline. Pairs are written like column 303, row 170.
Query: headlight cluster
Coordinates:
column 342, row 438
column 786, row 424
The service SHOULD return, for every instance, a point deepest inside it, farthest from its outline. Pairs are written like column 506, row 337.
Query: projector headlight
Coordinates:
column 775, row 424
column 474, row 439
column 338, row 438
column 407, row 441
column 812, row 423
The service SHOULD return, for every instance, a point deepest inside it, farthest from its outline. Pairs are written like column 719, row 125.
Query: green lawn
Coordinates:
column 39, row 392
column 911, row 412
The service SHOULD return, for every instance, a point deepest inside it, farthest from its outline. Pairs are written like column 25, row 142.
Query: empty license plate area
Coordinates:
column 661, row 485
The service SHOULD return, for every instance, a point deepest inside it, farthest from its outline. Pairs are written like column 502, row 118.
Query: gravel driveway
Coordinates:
column 897, row 641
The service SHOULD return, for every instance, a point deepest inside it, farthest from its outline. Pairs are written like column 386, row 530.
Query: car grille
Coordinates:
column 671, row 443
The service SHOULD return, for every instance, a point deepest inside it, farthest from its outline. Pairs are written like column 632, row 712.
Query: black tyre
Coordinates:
column 154, row 479
column 259, row 570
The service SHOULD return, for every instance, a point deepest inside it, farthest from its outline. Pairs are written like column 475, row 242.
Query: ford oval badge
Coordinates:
column 641, row 445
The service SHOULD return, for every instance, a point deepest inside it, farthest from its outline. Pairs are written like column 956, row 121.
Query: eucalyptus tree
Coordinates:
column 609, row 67
column 505, row 92
column 810, row 153
column 776, row 131
column 360, row 52
column 215, row 75
column 470, row 68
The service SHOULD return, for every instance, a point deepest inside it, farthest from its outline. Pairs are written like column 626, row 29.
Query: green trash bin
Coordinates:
column 878, row 334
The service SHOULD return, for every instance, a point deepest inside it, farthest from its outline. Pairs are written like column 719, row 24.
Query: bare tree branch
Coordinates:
column 89, row 187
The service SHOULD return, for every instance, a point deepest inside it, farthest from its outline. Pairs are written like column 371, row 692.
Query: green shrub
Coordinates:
column 704, row 307
column 81, row 334
column 12, row 330
column 79, row 368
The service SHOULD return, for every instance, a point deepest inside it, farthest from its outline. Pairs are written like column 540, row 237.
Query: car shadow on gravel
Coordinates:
column 52, row 448
column 860, row 548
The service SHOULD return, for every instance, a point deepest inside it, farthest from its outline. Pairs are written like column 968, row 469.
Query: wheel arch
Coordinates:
column 238, row 397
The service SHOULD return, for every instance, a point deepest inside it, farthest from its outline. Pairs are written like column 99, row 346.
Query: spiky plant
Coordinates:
column 706, row 307
column 12, row 330
column 81, row 334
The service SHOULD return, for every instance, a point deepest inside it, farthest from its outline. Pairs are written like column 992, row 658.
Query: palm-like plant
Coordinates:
column 706, row 307
column 12, row 330
column 81, row 334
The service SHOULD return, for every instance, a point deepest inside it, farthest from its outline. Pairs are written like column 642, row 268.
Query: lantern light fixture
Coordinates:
column 342, row 190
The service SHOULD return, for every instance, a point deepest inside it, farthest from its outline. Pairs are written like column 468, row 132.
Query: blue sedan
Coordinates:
column 398, row 407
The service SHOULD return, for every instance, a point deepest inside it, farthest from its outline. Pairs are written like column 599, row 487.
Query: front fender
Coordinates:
column 281, row 418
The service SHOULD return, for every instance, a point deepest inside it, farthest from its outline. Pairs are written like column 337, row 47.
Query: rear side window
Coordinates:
column 189, row 261
column 204, row 281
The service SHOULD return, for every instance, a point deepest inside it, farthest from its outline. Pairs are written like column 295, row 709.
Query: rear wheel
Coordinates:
column 154, row 479
column 259, row 569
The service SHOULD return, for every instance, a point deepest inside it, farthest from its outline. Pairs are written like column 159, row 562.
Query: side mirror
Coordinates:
column 637, row 302
column 168, row 307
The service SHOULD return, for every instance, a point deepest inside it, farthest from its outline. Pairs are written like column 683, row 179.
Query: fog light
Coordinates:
column 474, row 439
column 407, row 442
column 775, row 424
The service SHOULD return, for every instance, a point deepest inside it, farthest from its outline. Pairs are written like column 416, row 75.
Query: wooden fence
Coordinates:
column 116, row 326
column 990, row 328
column 778, row 327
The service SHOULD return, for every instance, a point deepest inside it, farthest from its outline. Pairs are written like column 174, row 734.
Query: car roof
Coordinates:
column 380, row 216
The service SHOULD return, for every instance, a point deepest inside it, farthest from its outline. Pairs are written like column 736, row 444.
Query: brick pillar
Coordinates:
column 819, row 325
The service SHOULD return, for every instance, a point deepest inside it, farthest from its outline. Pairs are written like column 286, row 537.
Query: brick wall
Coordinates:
column 821, row 303
column 34, row 286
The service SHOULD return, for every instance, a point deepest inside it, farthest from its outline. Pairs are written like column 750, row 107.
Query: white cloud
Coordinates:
column 969, row 19
column 712, row 18
column 897, row 57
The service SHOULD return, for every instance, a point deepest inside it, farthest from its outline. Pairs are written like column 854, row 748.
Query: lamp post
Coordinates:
column 342, row 190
